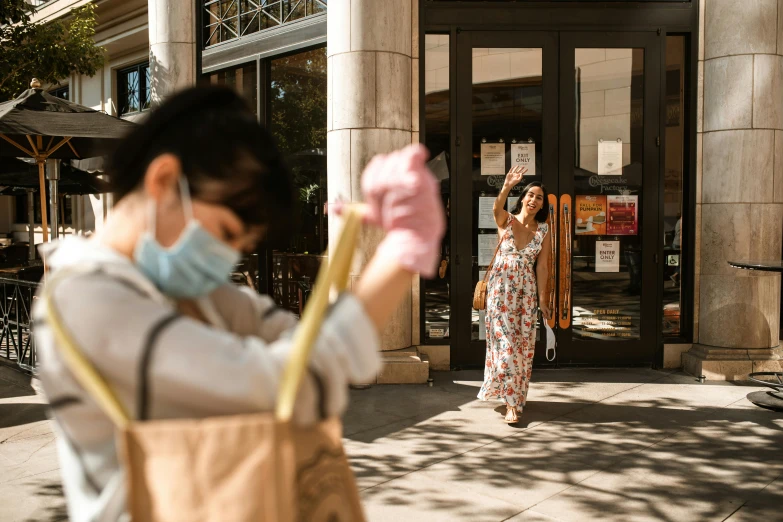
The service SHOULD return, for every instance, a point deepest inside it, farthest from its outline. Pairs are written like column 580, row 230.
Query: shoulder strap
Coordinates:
column 332, row 274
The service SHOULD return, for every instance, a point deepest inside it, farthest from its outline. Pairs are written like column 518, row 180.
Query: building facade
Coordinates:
column 657, row 128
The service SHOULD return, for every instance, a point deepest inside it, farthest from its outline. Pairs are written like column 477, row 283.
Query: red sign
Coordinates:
column 623, row 215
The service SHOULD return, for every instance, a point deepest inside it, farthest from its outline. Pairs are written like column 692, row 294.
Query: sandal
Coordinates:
column 511, row 415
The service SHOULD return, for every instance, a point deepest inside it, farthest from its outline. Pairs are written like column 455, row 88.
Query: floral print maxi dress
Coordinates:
column 511, row 319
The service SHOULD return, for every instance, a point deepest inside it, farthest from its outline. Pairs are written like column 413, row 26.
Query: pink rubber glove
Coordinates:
column 403, row 197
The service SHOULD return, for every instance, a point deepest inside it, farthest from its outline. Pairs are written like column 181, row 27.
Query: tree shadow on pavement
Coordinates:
column 669, row 458
column 51, row 494
column 17, row 414
column 15, row 385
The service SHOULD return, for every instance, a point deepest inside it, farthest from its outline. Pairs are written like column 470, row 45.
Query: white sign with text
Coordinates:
column 524, row 155
column 486, row 214
column 607, row 256
column 486, row 248
column 493, row 159
column 610, row 158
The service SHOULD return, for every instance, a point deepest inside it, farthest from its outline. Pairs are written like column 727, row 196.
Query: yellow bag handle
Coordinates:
column 332, row 273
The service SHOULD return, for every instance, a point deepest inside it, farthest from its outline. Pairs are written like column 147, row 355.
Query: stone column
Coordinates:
column 739, row 212
column 172, row 46
column 369, row 110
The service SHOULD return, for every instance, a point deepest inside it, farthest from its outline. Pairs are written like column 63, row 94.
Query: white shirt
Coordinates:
column 232, row 366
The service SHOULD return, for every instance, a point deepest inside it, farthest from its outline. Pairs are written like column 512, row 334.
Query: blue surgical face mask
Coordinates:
column 197, row 264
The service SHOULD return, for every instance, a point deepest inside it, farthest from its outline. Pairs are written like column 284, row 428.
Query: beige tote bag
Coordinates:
column 240, row 468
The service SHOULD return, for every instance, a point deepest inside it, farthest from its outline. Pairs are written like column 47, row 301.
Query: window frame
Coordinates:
column 423, row 339
column 141, row 68
column 66, row 88
column 263, row 61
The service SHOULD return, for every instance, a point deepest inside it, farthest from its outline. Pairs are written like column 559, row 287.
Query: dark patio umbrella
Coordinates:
column 44, row 127
column 18, row 178
column 15, row 173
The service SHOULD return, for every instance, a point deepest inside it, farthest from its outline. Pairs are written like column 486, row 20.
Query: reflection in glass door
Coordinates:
column 608, row 174
column 507, row 123
column 582, row 110
column 608, row 185
column 509, row 114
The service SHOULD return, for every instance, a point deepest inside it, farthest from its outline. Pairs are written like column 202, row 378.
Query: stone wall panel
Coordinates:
column 728, row 93
column 739, row 312
column 353, row 90
column 737, row 166
column 734, row 27
column 380, row 26
column 393, row 91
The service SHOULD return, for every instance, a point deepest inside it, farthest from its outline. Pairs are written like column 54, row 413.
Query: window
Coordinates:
column 244, row 79
column 133, row 89
column 297, row 120
column 62, row 92
column 225, row 20
column 294, row 88
column 674, row 217
column 437, row 137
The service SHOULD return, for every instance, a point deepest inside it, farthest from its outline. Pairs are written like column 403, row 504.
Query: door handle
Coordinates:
column 564, row 308
column 553, row 259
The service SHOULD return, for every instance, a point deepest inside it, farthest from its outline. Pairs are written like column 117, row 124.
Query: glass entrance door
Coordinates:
column 507, row 111
column 580, row 110
column 608, row 186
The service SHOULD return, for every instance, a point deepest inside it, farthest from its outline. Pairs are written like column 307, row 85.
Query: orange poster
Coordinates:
column 590, row 215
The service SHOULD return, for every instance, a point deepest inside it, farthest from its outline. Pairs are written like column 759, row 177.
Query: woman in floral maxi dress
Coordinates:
column 516, row 290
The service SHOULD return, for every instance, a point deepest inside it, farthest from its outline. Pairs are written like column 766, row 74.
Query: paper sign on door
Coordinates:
column 493, row 159
column 486, row 214
column 524, row 155
column 486, row 248
column 607, row 256
column 610, row 158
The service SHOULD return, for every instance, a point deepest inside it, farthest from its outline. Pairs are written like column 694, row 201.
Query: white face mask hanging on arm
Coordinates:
column 196, row 265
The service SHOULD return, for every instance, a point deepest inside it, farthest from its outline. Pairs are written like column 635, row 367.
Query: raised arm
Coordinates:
column 513, row 178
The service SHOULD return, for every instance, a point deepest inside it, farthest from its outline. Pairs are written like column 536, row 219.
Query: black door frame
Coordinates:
column 557, row 168
column 663, row 18
column 625, row 352
column 464, row 350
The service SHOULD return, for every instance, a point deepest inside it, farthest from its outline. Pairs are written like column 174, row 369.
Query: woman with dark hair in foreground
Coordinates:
column 148, row 300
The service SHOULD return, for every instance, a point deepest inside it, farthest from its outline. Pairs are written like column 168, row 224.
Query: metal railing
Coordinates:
column 16, row 340
column 225, row 20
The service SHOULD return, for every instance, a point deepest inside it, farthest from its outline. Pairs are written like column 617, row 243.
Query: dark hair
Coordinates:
column 227, row 157
column 543, row 213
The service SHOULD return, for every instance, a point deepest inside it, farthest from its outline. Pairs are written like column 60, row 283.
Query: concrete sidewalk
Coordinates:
column 30, row 487
column 606, row 445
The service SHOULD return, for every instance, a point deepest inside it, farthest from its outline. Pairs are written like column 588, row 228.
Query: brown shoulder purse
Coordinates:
column 480, row 292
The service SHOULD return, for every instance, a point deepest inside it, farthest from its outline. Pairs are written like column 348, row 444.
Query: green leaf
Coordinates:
column 48, row 51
